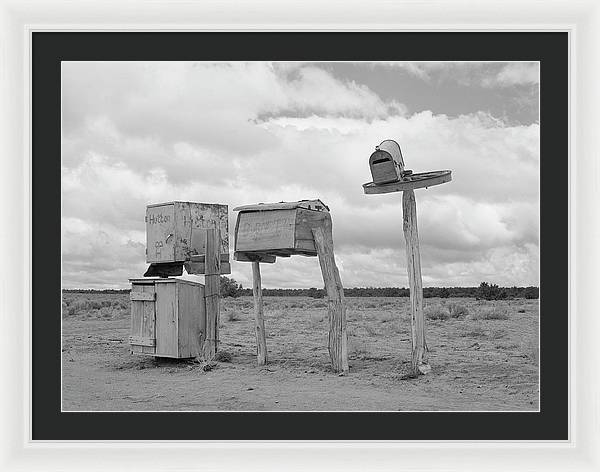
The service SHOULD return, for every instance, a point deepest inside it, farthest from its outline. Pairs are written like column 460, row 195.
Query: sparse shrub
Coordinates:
column 437, row 312
column 530, row 350
column 232, row 316
column 532, row 293
column 229, row 287
column 320, row 305
column 490, row 292
column 476, row 332
column 357, row 349
column 223, row 356
column 489, row 313
column 456, row 310
column 388, row 318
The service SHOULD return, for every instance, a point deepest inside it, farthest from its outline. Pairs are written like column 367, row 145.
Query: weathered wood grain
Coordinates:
column 202, row 258
column 415, row 181
column 142, row 296
column 191, row 319
column 160, row 232
column 143, row 317
column 259, row 321
column 338, row 337
column 141, row 341
column 315, row 204
column 413, row 259
column 166, row 320
column 265, row 230
column 254, row 257
column 212, row 294
column 177, row 230
column 199, row 268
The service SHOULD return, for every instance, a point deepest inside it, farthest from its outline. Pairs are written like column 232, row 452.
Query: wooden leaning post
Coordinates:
column 212, row 293
column 266, row 231
column 389, row 175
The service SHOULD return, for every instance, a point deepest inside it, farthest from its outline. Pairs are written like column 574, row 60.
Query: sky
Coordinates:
column 236, row 133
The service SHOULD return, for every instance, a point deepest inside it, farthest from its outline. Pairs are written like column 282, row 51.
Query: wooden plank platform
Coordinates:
column 414, row 181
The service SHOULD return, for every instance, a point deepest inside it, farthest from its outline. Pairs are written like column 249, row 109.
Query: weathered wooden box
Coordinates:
column 176, row 231
column 386, row 162
column 267, row 230
column 168, row 317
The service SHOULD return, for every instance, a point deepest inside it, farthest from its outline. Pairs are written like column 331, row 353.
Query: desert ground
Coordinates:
column 484, row 356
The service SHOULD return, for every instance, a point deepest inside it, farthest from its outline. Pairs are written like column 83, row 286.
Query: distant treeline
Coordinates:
column 230, row 288
column 92, row 290
column 428, row 292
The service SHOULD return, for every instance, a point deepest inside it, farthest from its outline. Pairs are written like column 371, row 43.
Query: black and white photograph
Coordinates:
column 300, row 236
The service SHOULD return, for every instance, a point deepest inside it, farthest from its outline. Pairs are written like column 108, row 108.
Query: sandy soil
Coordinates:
column 477, row 364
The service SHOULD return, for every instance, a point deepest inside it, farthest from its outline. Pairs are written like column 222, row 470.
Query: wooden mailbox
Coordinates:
column 265, row 231
column 176, row 235
column 386, row 163
column 268, row 230
column 168, row 317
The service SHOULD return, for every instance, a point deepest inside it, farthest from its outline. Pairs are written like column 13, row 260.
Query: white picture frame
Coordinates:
column 580, row 18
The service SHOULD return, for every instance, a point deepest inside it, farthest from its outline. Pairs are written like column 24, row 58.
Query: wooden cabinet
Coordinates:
column 168, row 317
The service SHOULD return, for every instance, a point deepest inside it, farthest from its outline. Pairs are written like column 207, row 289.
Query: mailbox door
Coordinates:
column 142, row 337
column 160, row 233
column 383, row 168
column 167, row 318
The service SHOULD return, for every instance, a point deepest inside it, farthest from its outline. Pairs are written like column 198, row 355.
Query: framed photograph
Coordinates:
column 174, row 171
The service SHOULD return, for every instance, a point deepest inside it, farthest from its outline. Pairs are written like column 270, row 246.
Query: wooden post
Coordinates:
column 413, row 261
column 338, row 337
column 212, row 293
column 259, row 321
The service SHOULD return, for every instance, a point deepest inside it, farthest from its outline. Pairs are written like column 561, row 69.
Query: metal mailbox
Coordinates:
column 386, row 163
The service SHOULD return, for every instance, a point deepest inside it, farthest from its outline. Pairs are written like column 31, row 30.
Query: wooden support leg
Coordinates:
column 413, row 260
column 338, row 338
column 212, row 293
column 261, row 342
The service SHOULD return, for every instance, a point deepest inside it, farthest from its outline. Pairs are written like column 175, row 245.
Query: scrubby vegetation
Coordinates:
column 428, row 292
column 486, row 291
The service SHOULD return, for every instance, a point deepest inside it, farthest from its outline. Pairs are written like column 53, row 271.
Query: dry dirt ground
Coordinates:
column 484, row 356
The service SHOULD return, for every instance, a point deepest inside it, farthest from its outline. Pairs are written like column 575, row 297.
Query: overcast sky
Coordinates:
column 136, row 133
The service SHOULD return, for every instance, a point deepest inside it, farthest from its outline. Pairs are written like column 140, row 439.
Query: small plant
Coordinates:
column 487, row 291
column 223, row 356
column 530, row 350
column 476, row 332
column 532, row 293
column 457, row 310
column 232, row 316
column 437, row 312
column 489, row 313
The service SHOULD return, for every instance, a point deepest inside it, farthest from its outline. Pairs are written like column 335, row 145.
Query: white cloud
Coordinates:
column 135, row 134
column 516, row 73
column 486, row 74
